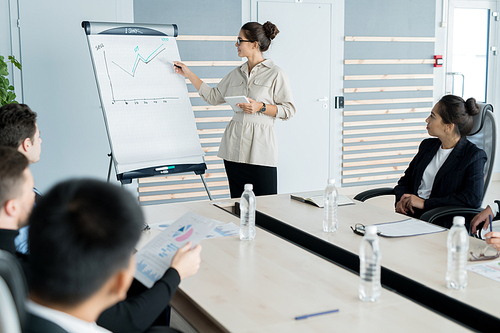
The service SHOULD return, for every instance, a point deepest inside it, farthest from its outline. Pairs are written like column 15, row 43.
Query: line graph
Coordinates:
column 139, row 57
column 138, row 84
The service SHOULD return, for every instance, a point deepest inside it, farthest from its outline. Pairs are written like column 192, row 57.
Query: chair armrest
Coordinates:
column 363, row 196
column 436, row 213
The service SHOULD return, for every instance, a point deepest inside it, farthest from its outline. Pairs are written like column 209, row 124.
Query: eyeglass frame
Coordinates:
column 360, row 229
column 240, row 40
column 482, row 256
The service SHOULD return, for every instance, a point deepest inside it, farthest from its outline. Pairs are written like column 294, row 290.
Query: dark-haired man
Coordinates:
column 144, row 306
column 19, row 130
column 16, row 195
column 82, row 237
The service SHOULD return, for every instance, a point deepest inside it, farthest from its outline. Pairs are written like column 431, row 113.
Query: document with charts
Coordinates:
column 154, row 259
column 490, row 269
column 407, row 227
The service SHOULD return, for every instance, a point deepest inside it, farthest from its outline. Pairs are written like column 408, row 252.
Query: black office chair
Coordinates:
column 483, row 135
column 13, row 294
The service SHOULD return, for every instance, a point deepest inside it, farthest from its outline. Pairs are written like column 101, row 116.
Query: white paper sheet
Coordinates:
column 489, row 269
column 154, row 258
column 407, row 227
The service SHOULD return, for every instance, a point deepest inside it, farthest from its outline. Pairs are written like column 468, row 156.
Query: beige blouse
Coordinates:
column 250, row 138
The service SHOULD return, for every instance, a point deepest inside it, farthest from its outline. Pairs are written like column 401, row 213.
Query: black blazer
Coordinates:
column 459, row 181
column 41, row 325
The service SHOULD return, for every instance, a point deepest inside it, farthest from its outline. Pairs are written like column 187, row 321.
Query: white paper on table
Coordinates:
column 407, row 227
column 488, row 269
column 154, row 259
column 222, row 229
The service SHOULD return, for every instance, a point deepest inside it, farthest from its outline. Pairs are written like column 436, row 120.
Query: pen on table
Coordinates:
column 315, row 314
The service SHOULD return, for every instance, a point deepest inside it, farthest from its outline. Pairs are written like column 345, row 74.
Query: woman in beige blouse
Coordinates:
column 249, row 145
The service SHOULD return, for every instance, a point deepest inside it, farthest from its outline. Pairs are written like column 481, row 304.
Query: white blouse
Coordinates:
column 425, row 188
column 250, row 138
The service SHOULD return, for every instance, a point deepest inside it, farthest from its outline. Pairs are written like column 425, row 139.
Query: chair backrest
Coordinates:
column 9, row 320
column 484, row 135
column 12, row 274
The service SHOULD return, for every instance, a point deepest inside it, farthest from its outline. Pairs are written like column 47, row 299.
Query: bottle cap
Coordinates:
column 330, row 181
column 371, row 229
column 459, row 220
column 248, row 187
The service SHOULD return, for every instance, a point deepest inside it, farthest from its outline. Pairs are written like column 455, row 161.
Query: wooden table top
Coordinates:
column 263, row 284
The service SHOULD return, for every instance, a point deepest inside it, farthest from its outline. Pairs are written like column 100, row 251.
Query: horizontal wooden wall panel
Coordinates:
column 377, row 162
column 212, row 158
column 381, row 146
column 385, row 111
column 210, row 149
column 374, row 170
column 380, row 154
column 213, row 119
column 385, row 138
column 207, row 38
column 182, row 195
column 384, row 130
column 210, row 140
column 187, row 176
column 389, row 62
column 185, row 186
column 387, row 89
column 371, row 178
column 389, row 101
column 389, row 39
column 388, row 77
column 384, row 122
column 210, row 131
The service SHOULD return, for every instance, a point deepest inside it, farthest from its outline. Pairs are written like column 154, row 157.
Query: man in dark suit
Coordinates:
column 19, row 130
column 82, row 237
column 16, row 195
column 143, row 307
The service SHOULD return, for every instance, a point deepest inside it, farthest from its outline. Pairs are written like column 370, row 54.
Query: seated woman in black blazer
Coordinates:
column 448, row 170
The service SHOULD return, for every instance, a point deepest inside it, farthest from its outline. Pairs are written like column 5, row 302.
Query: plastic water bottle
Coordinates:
column 247, row 214
column 458, row 245
column 369, row 266
column 330, row 221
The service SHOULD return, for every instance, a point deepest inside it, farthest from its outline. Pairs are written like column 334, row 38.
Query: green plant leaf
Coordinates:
column 15, row 62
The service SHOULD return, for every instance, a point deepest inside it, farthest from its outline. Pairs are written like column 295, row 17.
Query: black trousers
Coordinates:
column 263, row 178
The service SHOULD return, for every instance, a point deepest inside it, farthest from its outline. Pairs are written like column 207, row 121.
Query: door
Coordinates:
column 472, row 50
column 303, row 49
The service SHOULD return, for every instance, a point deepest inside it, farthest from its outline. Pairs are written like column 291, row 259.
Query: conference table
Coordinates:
column 262, row 285
column 412, row 266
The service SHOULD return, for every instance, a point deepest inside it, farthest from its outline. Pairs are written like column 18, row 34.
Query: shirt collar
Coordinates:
column 64, row 320
column 267, row 63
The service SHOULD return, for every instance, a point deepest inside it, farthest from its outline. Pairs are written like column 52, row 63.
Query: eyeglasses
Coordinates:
column 359, row 229
column 484, row 253
column 240, row 40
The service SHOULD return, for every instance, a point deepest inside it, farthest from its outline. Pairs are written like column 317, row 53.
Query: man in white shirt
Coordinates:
column 19, row 130
column 82, row 236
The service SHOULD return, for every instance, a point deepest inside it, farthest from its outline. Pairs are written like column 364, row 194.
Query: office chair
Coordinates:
column 13, row 294
column 483, row 135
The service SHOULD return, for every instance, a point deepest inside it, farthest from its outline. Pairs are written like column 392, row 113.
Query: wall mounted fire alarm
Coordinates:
column 438, row 61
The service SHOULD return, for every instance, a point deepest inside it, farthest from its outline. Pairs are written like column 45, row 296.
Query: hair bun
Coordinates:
column 471, row 107
column 271, row 30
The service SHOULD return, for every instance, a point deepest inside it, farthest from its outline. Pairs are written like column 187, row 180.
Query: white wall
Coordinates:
column 59, row 85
